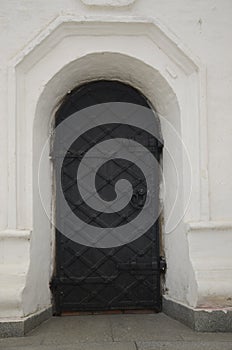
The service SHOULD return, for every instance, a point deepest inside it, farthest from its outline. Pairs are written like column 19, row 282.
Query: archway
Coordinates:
column 36, row 109
column 128, row 70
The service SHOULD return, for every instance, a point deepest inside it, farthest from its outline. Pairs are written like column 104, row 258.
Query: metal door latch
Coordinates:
column 139, row 198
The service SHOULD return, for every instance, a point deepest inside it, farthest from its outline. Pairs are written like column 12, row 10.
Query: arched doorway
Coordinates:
column 149, row 67
column 112, row 130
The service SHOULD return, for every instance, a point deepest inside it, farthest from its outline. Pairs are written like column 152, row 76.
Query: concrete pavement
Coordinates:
column 117, row 332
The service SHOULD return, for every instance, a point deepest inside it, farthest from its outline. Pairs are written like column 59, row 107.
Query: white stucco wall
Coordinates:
column 202, row 277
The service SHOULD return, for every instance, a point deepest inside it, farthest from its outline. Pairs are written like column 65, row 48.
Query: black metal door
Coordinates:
column 125, row 275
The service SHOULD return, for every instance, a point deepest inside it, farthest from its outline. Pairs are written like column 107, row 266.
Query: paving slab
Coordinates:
column 191, row 335
column 81, row 346
column 74, row 329
column 145, row 328
column 184, row 346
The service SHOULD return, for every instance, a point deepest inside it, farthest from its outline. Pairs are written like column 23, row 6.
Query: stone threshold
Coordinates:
column 201, row 320
column 18, row 328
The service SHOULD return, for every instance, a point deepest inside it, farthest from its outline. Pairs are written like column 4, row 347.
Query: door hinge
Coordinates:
column 163, row 264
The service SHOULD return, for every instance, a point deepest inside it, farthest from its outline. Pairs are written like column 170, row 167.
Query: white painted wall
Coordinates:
column 168, row 66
